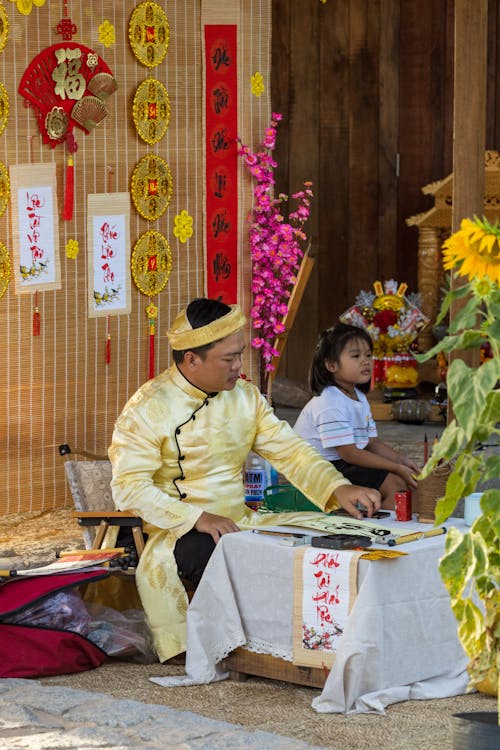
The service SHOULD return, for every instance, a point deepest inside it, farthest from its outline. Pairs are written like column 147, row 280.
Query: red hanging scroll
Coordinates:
column 221, row 174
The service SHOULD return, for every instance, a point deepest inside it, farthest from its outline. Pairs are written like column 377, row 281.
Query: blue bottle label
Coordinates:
column 255, row 484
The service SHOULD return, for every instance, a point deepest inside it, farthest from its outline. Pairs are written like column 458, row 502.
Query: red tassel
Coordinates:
column 69, row 190
column 152, row 313
column 108, row 342
column 151, row 352
column 36, row 317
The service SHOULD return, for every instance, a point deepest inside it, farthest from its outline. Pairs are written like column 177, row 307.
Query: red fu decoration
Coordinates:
column 67, row 85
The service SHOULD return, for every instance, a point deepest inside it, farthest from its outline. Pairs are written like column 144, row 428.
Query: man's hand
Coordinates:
column 349, row 494
column 216, row 526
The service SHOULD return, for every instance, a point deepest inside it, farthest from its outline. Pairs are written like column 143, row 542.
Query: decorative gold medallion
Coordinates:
column 4, row 188
column 151, row 110
column 4, row 27
column 4, row 107
column 151, row 186
column 149, row 33
column 151, row 262
column 4, row 269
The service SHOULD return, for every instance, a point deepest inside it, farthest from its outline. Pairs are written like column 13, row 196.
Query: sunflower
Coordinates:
column 474, row 250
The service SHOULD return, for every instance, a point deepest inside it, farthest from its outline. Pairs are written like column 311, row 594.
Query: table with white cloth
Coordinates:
column 399, row 643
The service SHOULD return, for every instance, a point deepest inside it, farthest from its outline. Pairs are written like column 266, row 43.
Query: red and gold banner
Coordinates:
column 221, row 161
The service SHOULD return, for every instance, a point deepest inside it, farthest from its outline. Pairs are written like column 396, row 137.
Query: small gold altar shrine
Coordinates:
column 434, row 226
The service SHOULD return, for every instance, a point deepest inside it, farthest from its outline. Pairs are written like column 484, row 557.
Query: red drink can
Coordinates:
column 402, row 504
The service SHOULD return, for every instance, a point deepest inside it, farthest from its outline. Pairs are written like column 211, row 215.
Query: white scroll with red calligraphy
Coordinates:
column 108, row 238
column 324, row 591
column 35, row 235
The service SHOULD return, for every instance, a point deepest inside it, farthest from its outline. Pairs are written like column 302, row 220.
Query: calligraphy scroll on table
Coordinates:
column 325, row 587
column 108, row 239
column 221, row 161
column 35, row 228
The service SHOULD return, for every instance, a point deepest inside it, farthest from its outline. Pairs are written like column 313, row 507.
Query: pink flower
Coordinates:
column 275, row 246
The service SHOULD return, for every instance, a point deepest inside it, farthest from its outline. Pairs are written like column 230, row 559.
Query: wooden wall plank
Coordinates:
column 332, row 194
column 421, row 123
column 364, row 143
column 303, row 153
column 388, row 138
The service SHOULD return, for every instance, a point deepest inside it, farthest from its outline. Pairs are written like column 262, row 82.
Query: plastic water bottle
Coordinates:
column 255, row 478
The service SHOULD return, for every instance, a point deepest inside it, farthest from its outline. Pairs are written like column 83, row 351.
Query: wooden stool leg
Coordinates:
column 138, row 540
column 100, row 534
column 110, row 537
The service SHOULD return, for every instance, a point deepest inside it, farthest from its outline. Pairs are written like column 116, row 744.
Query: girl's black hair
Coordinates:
column 331, row 344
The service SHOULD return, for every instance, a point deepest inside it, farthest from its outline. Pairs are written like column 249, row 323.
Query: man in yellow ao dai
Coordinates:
column 177, row 453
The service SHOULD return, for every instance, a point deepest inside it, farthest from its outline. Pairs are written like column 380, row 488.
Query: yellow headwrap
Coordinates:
column 182, row 336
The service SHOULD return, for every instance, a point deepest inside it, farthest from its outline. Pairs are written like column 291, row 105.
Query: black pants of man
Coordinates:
column 192, row 553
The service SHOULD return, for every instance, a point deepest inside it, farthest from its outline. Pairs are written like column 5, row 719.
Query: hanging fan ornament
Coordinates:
column 151, row 264
column 67, row 85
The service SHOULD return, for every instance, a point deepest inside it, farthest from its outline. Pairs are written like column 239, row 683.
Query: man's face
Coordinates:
column 221, row 367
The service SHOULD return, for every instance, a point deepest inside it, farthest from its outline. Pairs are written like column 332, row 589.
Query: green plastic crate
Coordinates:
column 282, row 498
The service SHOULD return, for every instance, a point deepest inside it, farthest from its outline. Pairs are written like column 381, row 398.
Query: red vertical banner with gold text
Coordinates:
column 221, row 161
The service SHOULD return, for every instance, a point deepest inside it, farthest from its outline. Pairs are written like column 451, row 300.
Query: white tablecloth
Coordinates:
column 400, row 641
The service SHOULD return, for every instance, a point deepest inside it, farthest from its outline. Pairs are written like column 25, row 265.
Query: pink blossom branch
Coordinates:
column 275, row 247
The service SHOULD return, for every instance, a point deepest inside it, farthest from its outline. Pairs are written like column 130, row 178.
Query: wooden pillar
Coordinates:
column 429, row 263
column 469, row 109
column 469, row 123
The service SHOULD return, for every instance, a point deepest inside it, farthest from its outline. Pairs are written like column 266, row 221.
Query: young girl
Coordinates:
column 338, row 422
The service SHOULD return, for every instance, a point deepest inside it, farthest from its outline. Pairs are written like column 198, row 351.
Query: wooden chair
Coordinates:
column 89, row 482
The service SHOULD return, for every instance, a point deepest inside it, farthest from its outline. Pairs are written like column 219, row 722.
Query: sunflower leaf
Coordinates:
column 468, row 389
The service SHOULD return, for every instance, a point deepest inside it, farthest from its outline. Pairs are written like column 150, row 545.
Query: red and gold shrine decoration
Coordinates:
column 149, row 33
column 393, row 321
column 151, row 186
column 221, row 161
column 151, row 110
column 4, row 269
column 151, row 266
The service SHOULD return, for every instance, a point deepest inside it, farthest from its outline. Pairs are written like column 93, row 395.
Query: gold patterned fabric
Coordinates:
column 183, row 336
column 177, row 452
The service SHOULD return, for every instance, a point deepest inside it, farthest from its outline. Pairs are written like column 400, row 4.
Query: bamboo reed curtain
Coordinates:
column 57, row 387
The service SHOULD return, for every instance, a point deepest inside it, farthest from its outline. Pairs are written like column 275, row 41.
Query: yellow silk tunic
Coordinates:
column 177, row 452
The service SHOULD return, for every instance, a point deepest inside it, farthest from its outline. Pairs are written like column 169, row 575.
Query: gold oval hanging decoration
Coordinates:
column 151, row 110
column 149, row 33
column 151, row 186
column 4, row 188
column 4, row 27
column 4, row 269
column 151, row 262
column 4, row 107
